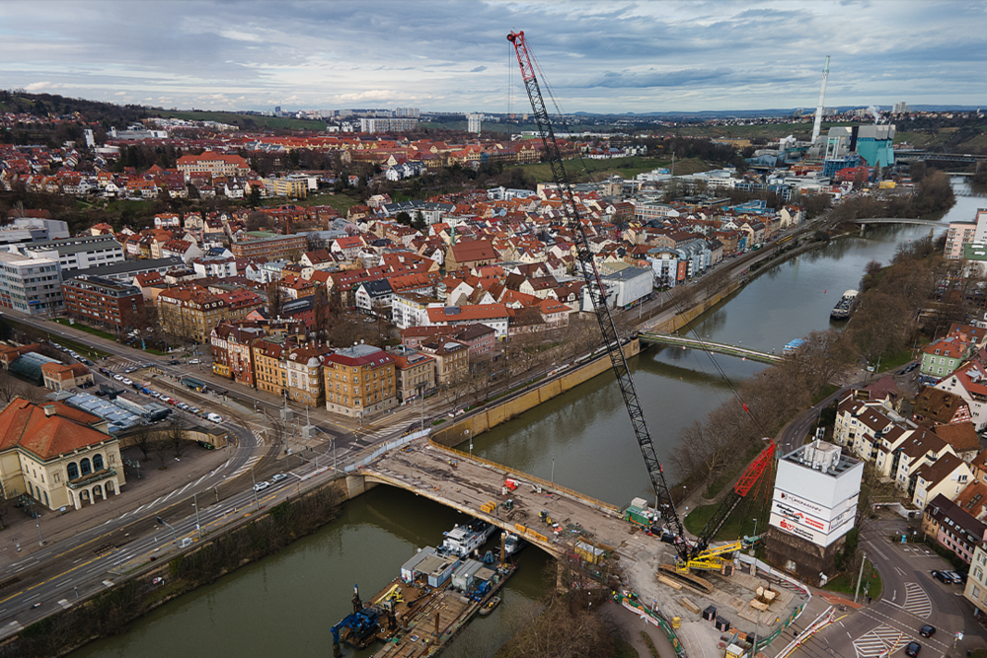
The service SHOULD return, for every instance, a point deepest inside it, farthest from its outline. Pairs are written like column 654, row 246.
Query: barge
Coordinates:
column 845, row 306
column 436, row 594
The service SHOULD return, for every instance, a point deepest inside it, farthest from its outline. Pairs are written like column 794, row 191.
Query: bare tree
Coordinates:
column 275, row 299
column 176, row 434
column 8, row 386
column 142, row 440
column 160, row 448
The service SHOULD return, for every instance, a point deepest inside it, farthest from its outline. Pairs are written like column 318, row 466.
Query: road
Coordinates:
column 911, row 598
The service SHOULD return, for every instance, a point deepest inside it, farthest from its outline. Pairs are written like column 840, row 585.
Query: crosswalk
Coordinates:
column 259, row 436
column 917, row 601
column 247, row 465
column 878, row 641
column 122, row 365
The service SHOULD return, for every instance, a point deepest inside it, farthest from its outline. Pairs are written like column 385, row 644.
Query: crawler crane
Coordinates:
column 691, row 555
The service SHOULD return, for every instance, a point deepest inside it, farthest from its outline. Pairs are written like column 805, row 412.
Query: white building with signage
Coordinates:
column 813, row 507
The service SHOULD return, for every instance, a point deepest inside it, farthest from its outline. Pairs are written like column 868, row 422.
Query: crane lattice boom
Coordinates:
column 597, row 292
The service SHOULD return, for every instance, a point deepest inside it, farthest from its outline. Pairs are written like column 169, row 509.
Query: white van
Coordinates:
column 216, row 418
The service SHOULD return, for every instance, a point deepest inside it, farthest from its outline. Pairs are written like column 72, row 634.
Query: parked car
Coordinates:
column 119, row 378
column 260, row 486
column 927, row 631
column 954, row 576
column 126, row 381
column 194, row 361
column 912, row 649
column 216, row 418
column 942, row 577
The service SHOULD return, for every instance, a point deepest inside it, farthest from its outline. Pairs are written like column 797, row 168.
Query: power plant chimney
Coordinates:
column 817, row 126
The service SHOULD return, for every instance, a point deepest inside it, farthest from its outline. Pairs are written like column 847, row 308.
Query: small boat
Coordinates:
column 845, row 306
column 489, row 606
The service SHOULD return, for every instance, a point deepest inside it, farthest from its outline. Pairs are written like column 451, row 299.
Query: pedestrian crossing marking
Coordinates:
column 883, row 640
column 246, row 466
column 917, row 601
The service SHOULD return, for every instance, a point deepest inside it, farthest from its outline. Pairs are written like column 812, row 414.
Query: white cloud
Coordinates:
column 453, row 56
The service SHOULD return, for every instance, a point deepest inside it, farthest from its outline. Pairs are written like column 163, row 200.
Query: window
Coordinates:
column 73, row 470
column 85, row 466
column 98, row 462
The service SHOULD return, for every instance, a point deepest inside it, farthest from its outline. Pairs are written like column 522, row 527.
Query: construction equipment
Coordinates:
column 587, row 266
column 597, row 292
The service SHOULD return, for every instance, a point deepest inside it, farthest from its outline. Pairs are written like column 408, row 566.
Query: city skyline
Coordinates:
column 612, row 57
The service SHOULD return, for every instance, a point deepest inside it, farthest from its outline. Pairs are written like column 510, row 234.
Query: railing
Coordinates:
column 606, row 507
column 653, row 618
column 372, row 454
column 89, row 478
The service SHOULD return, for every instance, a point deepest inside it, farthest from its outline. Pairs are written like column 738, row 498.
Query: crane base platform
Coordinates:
column 690, row 579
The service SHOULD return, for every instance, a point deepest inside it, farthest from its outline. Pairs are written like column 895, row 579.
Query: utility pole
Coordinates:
column 860, row 577
column 195, row 503
column 253, row 481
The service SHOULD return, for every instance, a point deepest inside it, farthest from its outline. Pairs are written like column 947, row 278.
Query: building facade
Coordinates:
column 30, row 285
column 104, row 303
column 280, row 246
column 360, row 381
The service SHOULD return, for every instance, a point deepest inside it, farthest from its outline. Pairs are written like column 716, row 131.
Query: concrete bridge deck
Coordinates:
column 719, row 348
column 427, row 469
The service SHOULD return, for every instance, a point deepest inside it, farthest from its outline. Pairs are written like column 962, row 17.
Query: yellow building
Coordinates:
column 58, row 455
column 360, row 381
column 270, row 373
column 303, row 366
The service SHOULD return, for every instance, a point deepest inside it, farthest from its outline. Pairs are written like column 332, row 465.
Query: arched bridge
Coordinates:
column 897, row 220
column 719, row 348
column 474, row 486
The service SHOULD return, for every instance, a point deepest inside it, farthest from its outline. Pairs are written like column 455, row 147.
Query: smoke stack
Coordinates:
column 817, row 126
column 49, row 410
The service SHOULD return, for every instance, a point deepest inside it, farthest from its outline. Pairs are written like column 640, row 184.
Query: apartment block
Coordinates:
column 360, row 381
column 103, row 303
column 30, row 285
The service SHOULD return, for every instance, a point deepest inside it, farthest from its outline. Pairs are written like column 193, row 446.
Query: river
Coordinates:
column 286, row 604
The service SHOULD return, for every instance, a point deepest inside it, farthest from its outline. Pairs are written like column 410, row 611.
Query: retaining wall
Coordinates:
column 456, row 431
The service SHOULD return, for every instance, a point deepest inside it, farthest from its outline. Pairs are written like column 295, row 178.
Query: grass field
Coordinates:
column 846, row 584
column 87, row 329
column 739, row 523
column 339, row 202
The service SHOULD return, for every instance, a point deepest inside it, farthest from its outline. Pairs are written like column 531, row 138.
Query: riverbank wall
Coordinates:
column 517, row 403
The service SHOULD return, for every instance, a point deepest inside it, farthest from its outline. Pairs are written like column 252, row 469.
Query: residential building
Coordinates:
column 415, row 373
column 62, row 376
column 303, row 366
column 30, row 285
column 941, row 357
column 411, row 309
column 953, row 528
column 58, row 455
column 470, row 254
column 452, row 363
column 232, row 355
column 127, row 271
column 934, row 406
column 969, row 381
column 191, row 311
column 279, row 246
column 962, row 233
column 494, row 316
column 295, row 187
column 104, row 303
column 270, row 371
column 360, row 381
column 975, row 590
column 948, row 476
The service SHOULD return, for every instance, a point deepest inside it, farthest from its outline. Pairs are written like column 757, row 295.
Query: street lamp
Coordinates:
column 173, row 532
column 195, row 503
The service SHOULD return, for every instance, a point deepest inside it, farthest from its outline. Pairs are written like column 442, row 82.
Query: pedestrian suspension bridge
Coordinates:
column 707, row 346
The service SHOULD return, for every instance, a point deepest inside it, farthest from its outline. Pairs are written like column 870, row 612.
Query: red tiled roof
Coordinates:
column 26, row 425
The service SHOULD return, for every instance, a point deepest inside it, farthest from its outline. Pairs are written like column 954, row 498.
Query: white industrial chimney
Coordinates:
column 817, row 126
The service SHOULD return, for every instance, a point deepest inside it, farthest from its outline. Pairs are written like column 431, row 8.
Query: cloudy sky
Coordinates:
column 602, row 56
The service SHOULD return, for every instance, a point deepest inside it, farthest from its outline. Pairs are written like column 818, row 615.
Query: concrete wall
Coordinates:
column 456, row 432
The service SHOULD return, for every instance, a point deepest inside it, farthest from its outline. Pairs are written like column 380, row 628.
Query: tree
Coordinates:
column 143, row 440
column 275, row 300
column 419, row 222
column 259, row 221
column 176, row 434
column 403, row 218
column 160, row 448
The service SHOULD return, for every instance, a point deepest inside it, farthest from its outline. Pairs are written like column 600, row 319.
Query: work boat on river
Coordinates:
column 845, row 306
